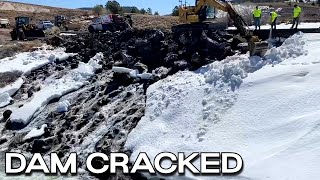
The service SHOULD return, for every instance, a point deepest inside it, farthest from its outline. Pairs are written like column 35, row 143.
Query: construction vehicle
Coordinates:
column 195, row 18
column 25, row 30
column 4, row 23
column 65, row 25
column 111, row 22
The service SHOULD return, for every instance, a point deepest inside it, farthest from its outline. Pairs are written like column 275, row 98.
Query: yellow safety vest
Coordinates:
column 296, row 12
column 274, row 15
column 257, row 13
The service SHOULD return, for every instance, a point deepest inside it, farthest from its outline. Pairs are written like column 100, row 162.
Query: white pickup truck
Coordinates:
column 4, row 23
column 111, row 22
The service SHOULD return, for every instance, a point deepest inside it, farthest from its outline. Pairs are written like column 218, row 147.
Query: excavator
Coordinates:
column 195, row 18
column 24, row 29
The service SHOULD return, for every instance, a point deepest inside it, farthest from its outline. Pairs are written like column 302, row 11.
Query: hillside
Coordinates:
column 12, row 9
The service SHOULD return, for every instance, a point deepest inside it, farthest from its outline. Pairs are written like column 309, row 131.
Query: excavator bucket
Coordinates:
column 258, row 48
column 34, row 33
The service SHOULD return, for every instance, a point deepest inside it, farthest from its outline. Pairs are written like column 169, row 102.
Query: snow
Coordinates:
column 287, row 26
column 5, row 99
column 25, row 63
column 34, row 133
column 67, row 34
column 7, row 91
column 13, row 87
column 63, row 106
column 56, row 87
column 28, row 61
column 134, row 73
column 267, row 110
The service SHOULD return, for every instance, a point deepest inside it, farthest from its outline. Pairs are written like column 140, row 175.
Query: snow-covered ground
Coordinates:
column 55, row 87
column 287, row 26
column 25, row 63
column 271, row 118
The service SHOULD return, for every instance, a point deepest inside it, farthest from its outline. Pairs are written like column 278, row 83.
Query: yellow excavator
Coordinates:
column 195, row 18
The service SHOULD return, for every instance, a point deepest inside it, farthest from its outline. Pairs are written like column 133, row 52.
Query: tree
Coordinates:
column 98, row 9
column 143, row 11
column 157, row 13
column 149, row 11
column 134, row 10
column 113, row 7
column 175, row 11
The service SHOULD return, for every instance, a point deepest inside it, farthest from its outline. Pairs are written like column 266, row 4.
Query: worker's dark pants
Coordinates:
column 257, row 22
column 274, row 24
column 295, row 22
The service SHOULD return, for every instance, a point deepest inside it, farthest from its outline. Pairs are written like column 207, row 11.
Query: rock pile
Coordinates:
column 149, row 50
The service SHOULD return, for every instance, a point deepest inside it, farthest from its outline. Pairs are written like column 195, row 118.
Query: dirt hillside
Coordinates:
column 10, row 10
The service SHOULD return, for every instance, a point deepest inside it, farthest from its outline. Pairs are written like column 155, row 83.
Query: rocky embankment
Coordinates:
column 98, row 116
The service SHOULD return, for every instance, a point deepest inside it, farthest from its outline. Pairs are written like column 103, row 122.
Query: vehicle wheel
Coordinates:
column 91, row 29
column 13, row 35
column 21, row 35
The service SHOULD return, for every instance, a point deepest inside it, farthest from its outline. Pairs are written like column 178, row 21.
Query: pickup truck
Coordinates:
column 45, row 25
column 111, row 22
column 4, row 23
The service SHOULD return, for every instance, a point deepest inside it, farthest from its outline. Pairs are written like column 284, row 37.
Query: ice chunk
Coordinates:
column 121, row 70
column 145, row 76
column 63, row 106
column 5, row 99
column 34, row 133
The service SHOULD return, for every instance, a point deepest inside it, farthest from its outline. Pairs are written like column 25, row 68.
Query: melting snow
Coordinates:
column 35, row 132
column 267, row 110
column 25, row 63
column 55, row 88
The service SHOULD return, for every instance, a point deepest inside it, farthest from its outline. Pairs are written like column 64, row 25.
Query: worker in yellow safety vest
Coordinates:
column 273, row 19
column 296, row 16
column 257, row 13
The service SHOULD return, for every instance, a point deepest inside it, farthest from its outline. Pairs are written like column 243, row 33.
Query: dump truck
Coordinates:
column 4, row 23
column 111, row 22
column 65, row 25
column 25, row 30
column 195, row 20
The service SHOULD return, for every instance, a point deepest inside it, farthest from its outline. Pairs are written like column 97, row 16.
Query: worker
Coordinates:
column 296, row 16
column 257, row 17
column 274, row 16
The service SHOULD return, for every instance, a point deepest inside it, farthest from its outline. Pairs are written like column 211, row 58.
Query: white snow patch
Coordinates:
column 12, row 88
column 67, row 34
column 132, row 72
column 7, row 91
column 272, row 120
column 5, row 99
column 34, row 133
column 55, row 88
column 28, row 61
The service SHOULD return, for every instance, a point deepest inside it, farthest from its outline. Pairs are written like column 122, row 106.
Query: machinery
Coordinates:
column 24, row 29
column 195, row 18
column 4, row 23
column 64, row 24
column 111, row 22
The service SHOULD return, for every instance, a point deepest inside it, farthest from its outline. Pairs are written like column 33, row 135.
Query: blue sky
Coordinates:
column 162, row 6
